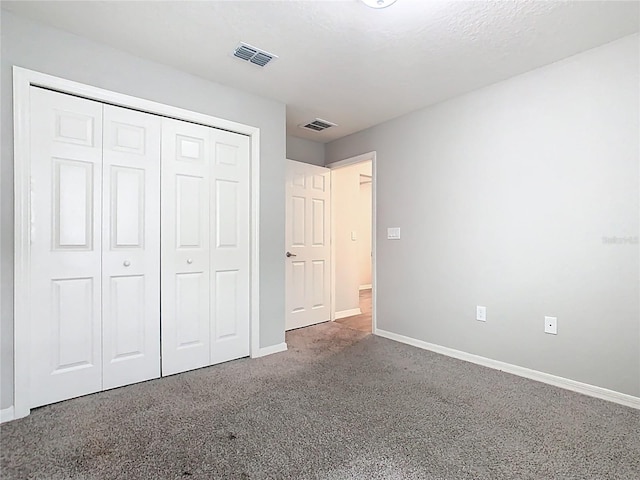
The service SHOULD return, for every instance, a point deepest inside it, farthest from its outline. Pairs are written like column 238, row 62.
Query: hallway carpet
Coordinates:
column 360, row 322
column 339, row 404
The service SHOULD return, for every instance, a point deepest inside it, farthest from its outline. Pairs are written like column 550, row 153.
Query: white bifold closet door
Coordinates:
column 185, row 247
column 205, row 246
column 130, row 247
column 95, row 273
column 66, row 247
column 100, row 252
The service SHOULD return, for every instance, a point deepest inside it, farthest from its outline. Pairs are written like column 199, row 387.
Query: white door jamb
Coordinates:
column 333, row 166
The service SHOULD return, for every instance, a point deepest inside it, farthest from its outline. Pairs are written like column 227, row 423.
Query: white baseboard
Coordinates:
column 263, row 352
column 579, row 387
column 6, row 414
column 347, row 313
column 365, row 287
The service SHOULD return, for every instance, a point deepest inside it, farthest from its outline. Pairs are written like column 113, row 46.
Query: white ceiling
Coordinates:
column 340, row 60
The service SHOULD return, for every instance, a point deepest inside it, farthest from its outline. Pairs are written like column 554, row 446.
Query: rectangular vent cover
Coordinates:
column 318, row 125
column 249, row 53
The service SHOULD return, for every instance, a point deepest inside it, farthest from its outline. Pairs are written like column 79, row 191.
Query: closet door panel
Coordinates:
column 185, row 246
column 66, row 168
column 131, row 247
column 229, row 225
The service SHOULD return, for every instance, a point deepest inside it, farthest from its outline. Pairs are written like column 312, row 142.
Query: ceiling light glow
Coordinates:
column 378, row 3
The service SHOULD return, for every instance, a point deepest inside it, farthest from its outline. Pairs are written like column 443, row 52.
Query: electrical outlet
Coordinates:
column 551, row 325
column 481, row 313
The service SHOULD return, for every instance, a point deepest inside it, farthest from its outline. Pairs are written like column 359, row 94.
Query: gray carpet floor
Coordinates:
column 339, row 404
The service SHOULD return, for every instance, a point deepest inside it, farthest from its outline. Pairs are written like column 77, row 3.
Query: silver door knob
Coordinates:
column 126, row 263
column 289, row 254
column 189, row 261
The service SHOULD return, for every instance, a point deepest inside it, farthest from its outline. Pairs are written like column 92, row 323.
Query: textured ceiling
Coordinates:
column 340, row 60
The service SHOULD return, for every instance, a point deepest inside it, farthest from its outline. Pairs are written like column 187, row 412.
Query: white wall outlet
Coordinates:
column 481, row 313
column 393, row 233
column 551, row 325
column 354, row 235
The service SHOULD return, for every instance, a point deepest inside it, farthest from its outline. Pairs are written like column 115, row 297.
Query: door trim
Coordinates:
column 374, row 181
column 23, row 80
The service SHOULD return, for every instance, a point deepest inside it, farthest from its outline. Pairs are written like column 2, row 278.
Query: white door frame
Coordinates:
column 374, row 180
column 23, row 80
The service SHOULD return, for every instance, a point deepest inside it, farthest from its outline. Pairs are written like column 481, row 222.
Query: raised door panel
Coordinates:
column 190, row 195
column 74, row 128
column 228, row 216
column 65, row 316
column 230, row 247
column 191, row 149
column 128, row 208
column 319, row 274
column 126, row 135
column 298, row 221
column 227, row 302
column 298, row 276
column 318, row 222
column 191, row 293
column 71, row 325
column 131, row 247
column 127, row 310
column 73, row 212
column 185, row 246
column 319, row 182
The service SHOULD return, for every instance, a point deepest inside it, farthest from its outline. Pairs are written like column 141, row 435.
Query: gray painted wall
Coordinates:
column 51, row 51
column 305, row 151
column 505, row 197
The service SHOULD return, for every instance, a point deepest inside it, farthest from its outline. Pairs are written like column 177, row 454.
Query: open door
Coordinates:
column 307, row 239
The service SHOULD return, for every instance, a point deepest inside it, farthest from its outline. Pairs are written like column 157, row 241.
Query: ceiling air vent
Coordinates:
column 248, row 53
column 318, row 125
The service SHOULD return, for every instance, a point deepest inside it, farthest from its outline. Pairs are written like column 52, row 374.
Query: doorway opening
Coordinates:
column 352, row 245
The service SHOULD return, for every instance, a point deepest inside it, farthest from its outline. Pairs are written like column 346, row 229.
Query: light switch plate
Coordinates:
column 354, row 236
column 481, row 313
column 393, row 233
column 551, row 325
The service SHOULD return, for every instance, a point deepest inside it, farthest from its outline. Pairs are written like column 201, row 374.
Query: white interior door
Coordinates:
column 131, row 247
column 185, row 246
column 229, row 228
column 307, row 239
column 66, row 168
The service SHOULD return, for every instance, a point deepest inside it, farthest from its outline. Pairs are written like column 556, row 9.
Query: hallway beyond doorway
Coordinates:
column 360, row 322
